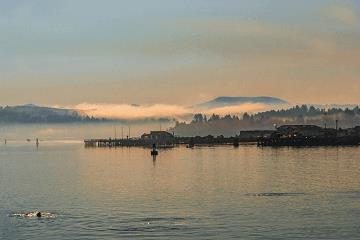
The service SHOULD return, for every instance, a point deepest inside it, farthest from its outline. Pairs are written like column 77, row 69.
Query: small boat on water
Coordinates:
column 236, row 142
column 154, row 152
column 190, row 144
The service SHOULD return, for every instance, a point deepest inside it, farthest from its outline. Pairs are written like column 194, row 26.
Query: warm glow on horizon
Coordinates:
column 178, row 53
column 131, row 112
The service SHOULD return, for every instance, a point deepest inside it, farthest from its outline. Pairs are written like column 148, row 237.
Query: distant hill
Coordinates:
column 30, row 113
column 231, row 101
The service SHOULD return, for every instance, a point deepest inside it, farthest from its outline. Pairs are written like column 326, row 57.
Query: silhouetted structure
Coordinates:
column 253, row 135
column 311, row 135
column 160, row 138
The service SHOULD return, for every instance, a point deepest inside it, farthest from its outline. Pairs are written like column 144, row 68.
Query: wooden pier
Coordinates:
column 138, row 142
column 115, row 142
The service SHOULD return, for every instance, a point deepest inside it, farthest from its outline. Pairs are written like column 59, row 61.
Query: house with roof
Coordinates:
column 160, row 138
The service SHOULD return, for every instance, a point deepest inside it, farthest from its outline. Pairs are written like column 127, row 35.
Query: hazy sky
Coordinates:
column 68, row 52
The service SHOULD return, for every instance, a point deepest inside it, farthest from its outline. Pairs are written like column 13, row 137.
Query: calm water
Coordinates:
column 201, row 193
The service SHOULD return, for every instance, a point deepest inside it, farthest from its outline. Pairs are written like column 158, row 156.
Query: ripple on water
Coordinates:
column 158, row 225
column 275, row 194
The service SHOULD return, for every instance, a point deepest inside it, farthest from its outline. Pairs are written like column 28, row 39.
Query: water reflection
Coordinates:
column 154, row 159
column 185, row 193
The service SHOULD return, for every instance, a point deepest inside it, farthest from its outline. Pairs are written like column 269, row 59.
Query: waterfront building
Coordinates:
column 160, row 138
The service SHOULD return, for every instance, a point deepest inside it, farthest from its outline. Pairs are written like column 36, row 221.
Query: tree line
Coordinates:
column 230, row 125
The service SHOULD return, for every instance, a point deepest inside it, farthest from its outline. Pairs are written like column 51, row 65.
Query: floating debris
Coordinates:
column 34, row 214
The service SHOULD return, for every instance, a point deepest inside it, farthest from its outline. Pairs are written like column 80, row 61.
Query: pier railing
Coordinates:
column 160, row 144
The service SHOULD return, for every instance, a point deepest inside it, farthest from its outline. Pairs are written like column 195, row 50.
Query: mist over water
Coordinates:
column 131, row 112
column 75, row 132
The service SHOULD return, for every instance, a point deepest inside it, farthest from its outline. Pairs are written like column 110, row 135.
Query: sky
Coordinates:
column 76, row 52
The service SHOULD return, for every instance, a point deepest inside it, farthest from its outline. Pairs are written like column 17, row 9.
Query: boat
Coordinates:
column 154, row 152
column 236, row 142
column 191, row 143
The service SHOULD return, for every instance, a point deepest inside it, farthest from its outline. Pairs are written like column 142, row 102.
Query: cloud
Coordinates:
column 241, row 108
column 343, row 14
column 128, row 112
column 134, row 112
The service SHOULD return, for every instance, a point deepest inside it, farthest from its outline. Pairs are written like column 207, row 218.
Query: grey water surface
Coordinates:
column 202, row 193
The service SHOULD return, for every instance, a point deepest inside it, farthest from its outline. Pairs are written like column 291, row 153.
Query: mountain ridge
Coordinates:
column 223, row 101
column 30, row 113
